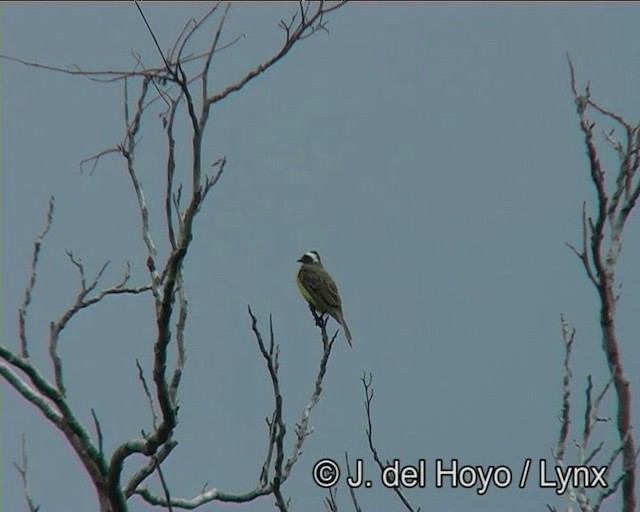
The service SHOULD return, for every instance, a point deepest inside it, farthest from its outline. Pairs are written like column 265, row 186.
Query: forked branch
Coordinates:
column 367, row 382
column 605, row 244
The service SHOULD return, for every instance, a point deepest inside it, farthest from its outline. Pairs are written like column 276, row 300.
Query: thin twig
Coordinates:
column 368, row 394
column 81, row 302
column 165, row 487
column 352, row 492
column 331, row 501
column 23, row 470
column 568, row 337
column 145, row 387
column 96, row 423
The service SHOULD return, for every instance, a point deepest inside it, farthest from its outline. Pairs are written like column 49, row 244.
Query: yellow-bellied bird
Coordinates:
column 319, row 289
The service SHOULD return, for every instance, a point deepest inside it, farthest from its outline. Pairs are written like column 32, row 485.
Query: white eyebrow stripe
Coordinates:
column 314, row 256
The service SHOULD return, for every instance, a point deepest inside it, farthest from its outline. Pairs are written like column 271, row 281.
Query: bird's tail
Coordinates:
column 343, row 323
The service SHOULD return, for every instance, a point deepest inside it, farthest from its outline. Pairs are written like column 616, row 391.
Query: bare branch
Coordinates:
column 207, row 65
column 277, row 430
column 303, row 430
column 271, row 358
column 352, row 492
column 591, row 456
column 331, row 502
column 202, row 498
column 612, row 489
column 183, row 306
column 165, row 287
column 171, row 166
column 22, row 312
column 211, row 181
column 144, row 472
column 63, row 418
column 368, row 398
column 23, row 470
column 94, row 159
column 35, row 398
column 82, row 302
column 604, row 255
column 165, row 487
column 145, row 387
column 568, row 337
column 586, row 432
column 105, row 76
column 127, row 152
column 263, row 479
column 583, row 255
column 194, row 29
column 608, row 113
column 293, row 35
column 98, row 431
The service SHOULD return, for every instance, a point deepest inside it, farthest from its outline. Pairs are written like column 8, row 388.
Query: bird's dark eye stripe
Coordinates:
column 310, row 257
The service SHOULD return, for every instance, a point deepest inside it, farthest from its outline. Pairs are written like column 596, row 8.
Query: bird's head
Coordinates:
column 310, row 258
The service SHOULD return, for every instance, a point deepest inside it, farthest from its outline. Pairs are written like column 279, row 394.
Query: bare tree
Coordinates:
column 179, row 86
column 599, row 253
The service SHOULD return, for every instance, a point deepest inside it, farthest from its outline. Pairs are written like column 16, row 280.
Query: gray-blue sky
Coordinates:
column 430, row 152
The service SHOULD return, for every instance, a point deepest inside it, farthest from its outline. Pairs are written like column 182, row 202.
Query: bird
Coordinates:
column 320, row 290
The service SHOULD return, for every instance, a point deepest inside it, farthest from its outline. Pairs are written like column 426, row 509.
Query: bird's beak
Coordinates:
column 299, row 260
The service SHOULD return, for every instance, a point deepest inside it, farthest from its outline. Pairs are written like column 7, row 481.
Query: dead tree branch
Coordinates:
column 22, row 311
column 605, row 244
column 23, row 470
column 368, row 399
column 275, row 470
column 352, row 492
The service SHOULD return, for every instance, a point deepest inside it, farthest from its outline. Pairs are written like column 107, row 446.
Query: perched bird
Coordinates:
column 320, row 290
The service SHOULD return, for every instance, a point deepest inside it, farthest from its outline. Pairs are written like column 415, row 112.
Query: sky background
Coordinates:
column 429, row 152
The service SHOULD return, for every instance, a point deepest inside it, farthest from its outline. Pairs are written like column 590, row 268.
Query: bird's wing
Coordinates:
column 322, row 287
column 331, row 296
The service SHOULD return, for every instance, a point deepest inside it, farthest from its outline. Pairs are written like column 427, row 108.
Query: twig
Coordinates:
column 165, row 487
column 94, row 159
column 613, row 488
column 583, row 254
column 22, row 312
column 368, row 394
column 568, row 338
column 331, row 501
column 145, row 387
column 98, row 431
column 271, row 358
column 81, row 302
column 302, row 429
column 352, row 491
column 304, row 28
column 24, row 476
